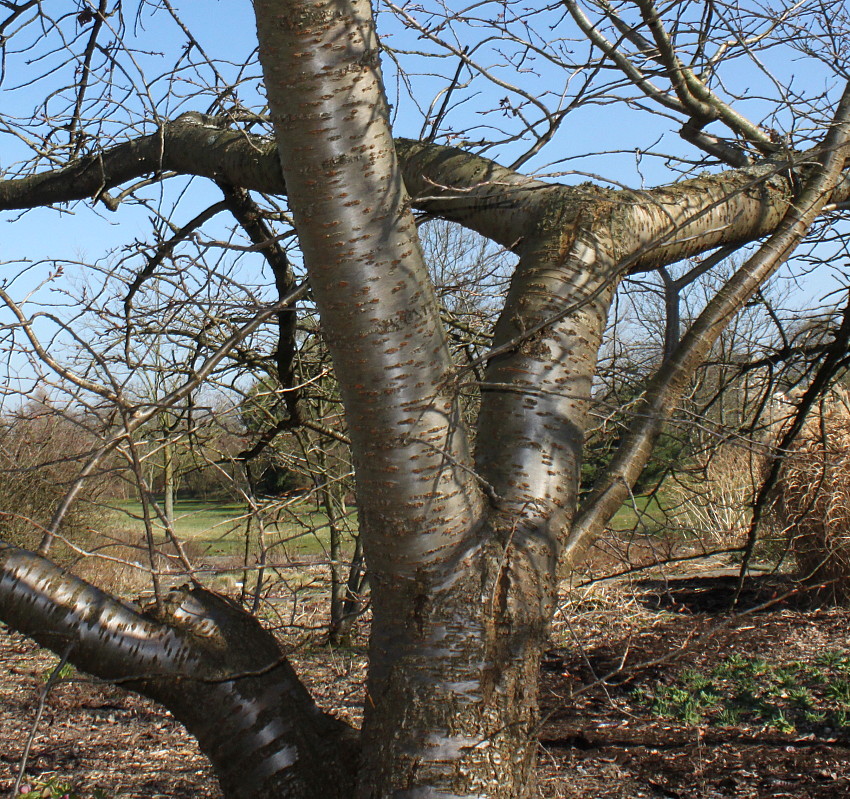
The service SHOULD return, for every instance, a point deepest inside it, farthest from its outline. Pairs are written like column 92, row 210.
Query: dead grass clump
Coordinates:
column 714, row 500
column 115, row 563
column 812, row 499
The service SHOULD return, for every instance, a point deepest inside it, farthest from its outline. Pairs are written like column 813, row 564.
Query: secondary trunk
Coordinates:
column 210, row 663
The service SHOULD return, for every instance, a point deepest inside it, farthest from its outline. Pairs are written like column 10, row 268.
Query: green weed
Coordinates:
column 779, row 722
column 800, row 697
column 840, row 718
column 728, row 716
column 56, row 788
column 64, row 673
column 839, row 691
column 785, row 697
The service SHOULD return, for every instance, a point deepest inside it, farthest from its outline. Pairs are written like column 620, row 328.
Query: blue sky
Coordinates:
column 619, row 140
column 598, row 140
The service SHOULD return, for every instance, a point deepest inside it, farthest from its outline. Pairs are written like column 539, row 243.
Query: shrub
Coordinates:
column 715, row 497
column 39, row 452
column 812, row 499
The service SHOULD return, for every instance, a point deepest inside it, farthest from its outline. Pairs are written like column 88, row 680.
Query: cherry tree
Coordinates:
column 468, row 529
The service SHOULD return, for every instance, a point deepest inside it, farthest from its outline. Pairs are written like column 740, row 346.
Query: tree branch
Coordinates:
column 666, row 387
column 205, row 659
column 468, row 189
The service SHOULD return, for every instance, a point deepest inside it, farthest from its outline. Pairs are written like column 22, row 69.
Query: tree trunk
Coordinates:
column 451, row 704
column 168, row 478
column 462, row 554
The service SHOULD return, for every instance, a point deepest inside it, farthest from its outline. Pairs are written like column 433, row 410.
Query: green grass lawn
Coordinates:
column 222, row 526
column 643, row 513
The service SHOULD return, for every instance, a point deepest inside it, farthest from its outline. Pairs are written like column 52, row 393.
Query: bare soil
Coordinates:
column 599, row 737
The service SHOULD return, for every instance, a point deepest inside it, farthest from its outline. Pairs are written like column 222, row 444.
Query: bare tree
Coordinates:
column 467, row 533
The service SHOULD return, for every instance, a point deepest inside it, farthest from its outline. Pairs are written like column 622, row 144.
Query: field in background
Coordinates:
column 296, row 528
column 647, row 514
column 220, row 528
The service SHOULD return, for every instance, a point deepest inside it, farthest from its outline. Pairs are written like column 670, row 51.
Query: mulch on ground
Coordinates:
column 92, row 736
column 599, row 738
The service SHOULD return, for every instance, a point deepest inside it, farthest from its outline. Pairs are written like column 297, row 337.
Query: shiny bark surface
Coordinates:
column 450, row 709
column 421, row 508
column 204, row 658
column 463, row 549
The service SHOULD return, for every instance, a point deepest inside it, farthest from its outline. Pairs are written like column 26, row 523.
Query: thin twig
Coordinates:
column 42, row 701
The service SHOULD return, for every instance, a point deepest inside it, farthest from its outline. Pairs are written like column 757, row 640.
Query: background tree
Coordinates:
column 466, row 533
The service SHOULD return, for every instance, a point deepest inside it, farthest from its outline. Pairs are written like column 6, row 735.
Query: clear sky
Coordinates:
column 620, row 140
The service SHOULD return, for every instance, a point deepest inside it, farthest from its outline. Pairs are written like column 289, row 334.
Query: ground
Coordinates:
column 696, row 702
column 704, row 704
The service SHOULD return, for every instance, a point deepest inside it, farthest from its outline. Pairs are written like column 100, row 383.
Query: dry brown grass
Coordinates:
column 713, row 501
column 812, row 499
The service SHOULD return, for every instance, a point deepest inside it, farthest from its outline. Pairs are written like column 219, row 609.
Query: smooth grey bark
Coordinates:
column 438, row 712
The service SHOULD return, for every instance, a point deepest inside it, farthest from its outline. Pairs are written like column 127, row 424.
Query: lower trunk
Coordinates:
column 451, row 708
